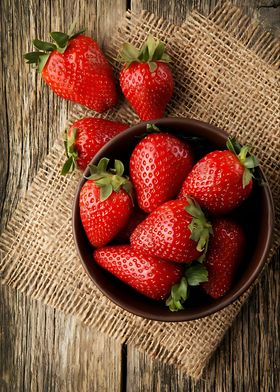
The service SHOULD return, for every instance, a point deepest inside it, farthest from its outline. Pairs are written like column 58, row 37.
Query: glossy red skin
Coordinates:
column 103, row 220
column 93, row 133
column 225, row 252
column 146, row 274
column 165, row 233
column 82, row 74
column 147, row 92
column 158, row 166
column 216, row 183
column 136, row 217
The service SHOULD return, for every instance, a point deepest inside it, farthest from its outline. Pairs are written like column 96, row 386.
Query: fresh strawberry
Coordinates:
column 221, row 180
column 85, row 138
column 136, row 217
column 105, row 202
column 158, row 167
column 225, row 252
column 147, row 274
column 146, row 79
column 76, row 69
column 175, row 231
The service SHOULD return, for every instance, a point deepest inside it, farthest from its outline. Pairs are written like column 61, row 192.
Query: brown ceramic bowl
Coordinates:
column 256, row 215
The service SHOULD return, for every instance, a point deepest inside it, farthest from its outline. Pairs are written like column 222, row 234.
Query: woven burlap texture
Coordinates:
column 225, row 70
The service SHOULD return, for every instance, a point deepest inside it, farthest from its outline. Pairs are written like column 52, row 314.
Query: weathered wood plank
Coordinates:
column 41, row 349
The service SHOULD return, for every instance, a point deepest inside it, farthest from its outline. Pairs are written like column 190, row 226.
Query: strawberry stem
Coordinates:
column 151, row 52
column 249, row 162
column 109, row 180
column 194, row 275
column 200, row 228
column 71, row 152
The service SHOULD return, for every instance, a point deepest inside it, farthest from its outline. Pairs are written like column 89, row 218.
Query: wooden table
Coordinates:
column 44, row 350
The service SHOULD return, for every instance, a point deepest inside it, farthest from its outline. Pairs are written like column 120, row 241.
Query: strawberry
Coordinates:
column 105, row 202
column 85, row 138
column 158, row 167
column 225, row 252
column 221, row 180
column 75, row 69
column 147, row 274
column 175, row 231
column 137, row 217
column 146, row 79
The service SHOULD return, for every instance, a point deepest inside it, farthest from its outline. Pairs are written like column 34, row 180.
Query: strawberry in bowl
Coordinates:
column 199, row 260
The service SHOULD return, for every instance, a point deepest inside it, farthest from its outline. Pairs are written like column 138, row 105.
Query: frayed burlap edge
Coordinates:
column 37, row 251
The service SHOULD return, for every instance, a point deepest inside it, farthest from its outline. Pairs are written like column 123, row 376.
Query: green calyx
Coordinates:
column 44, row 49
column 71, row 152
column 250, row 162
column 195, row 274
column 199, row 227
column 151, row 51
column 109, row 180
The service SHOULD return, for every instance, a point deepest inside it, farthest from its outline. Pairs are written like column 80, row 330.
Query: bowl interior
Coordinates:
column 256, row 216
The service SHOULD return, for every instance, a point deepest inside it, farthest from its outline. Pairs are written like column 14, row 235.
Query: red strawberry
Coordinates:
column 175, row 231
column 105, row 203
column 225, row 252
column 221, row 180
column 76, row 69
column 146, row 79
column 85, row 138
column 158, row 166
column 147, row 274
column 137, row 217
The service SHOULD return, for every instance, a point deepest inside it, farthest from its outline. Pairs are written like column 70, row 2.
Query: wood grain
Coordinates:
column 42, row 349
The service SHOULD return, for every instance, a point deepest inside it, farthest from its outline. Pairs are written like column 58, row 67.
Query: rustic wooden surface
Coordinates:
column 44, row 350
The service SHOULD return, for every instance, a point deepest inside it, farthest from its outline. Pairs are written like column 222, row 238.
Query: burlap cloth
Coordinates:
column 225, row 69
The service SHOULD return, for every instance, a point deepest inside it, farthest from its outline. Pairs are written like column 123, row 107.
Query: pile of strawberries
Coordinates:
column 161, row 225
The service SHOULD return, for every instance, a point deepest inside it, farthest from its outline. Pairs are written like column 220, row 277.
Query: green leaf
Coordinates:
column 119, row 167
column 94, row 177
column 129, row 53
column 32, row 57
column 68, row 166
column 61, row 39
column 179, row 294
column 42, row 45
column 165, row 58
column 42, row 61
column 151, row 44
column 72, row 138
column 159, row 51
column 199, row 227
column 152, row 66
column 196, row 274
column 246, row 178
column 233, row 145
column 152, row 128
column 102, row 181
column 77, row 33
column 102, row 165
column 127, row 186
column 251, row 162
column 144, row 54
column 105, row 192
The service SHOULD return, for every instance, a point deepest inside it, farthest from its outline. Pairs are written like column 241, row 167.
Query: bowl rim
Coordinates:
column 223, row 301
